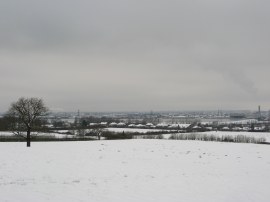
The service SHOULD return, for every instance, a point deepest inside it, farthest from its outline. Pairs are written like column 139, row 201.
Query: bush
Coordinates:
column 224, row 138
column 108, row 135
column 43, row 138
column 160, row 136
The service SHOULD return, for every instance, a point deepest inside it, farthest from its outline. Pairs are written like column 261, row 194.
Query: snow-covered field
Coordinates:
column 138, row 130
column 134, row 171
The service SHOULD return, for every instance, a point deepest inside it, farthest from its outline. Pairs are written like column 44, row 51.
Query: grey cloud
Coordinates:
column 108, row 51
column 239, row 77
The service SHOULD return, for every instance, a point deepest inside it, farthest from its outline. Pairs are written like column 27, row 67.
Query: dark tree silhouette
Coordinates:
column 98, row 132
column 25, row 112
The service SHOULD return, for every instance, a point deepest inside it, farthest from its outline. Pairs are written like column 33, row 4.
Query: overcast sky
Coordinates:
column 128, row 55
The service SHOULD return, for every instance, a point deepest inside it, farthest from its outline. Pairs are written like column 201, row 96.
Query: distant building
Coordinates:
column 113, row 124
column 121, row 124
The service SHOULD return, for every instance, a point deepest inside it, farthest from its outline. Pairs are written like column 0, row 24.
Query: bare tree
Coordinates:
column 25, row 112
column 98, row 132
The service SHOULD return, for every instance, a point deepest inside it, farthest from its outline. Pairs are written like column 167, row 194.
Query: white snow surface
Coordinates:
column 138, row 130
column 134, row 171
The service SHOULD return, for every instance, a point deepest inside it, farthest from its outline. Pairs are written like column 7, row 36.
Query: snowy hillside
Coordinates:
column 134, row 171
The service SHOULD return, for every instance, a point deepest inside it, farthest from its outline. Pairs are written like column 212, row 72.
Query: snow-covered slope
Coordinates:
column 134, row 171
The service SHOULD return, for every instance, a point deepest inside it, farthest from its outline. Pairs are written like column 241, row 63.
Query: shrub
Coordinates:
column 224, row 138
column 160, row 136
column 108, row 135
column 42, row 138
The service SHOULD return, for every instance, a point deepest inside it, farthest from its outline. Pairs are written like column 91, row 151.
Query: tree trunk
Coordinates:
column 28, row 138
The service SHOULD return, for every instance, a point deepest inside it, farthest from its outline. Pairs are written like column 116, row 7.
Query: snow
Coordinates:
column 6, row 133
column 138, row 130
column 134, row 171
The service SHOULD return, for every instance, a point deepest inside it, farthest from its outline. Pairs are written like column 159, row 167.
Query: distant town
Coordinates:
column 186, row 121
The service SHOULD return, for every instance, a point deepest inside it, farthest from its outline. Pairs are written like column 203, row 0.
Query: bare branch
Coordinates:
column 25, row 111
column 19, row 134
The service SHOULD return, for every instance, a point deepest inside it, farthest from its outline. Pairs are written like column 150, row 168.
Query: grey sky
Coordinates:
column 104, row 55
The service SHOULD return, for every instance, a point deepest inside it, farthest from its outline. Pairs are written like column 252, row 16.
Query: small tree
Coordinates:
column 25, row 112
column 98, row 132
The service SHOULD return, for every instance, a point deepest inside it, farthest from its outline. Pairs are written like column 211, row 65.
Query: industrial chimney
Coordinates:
column 259, row 112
